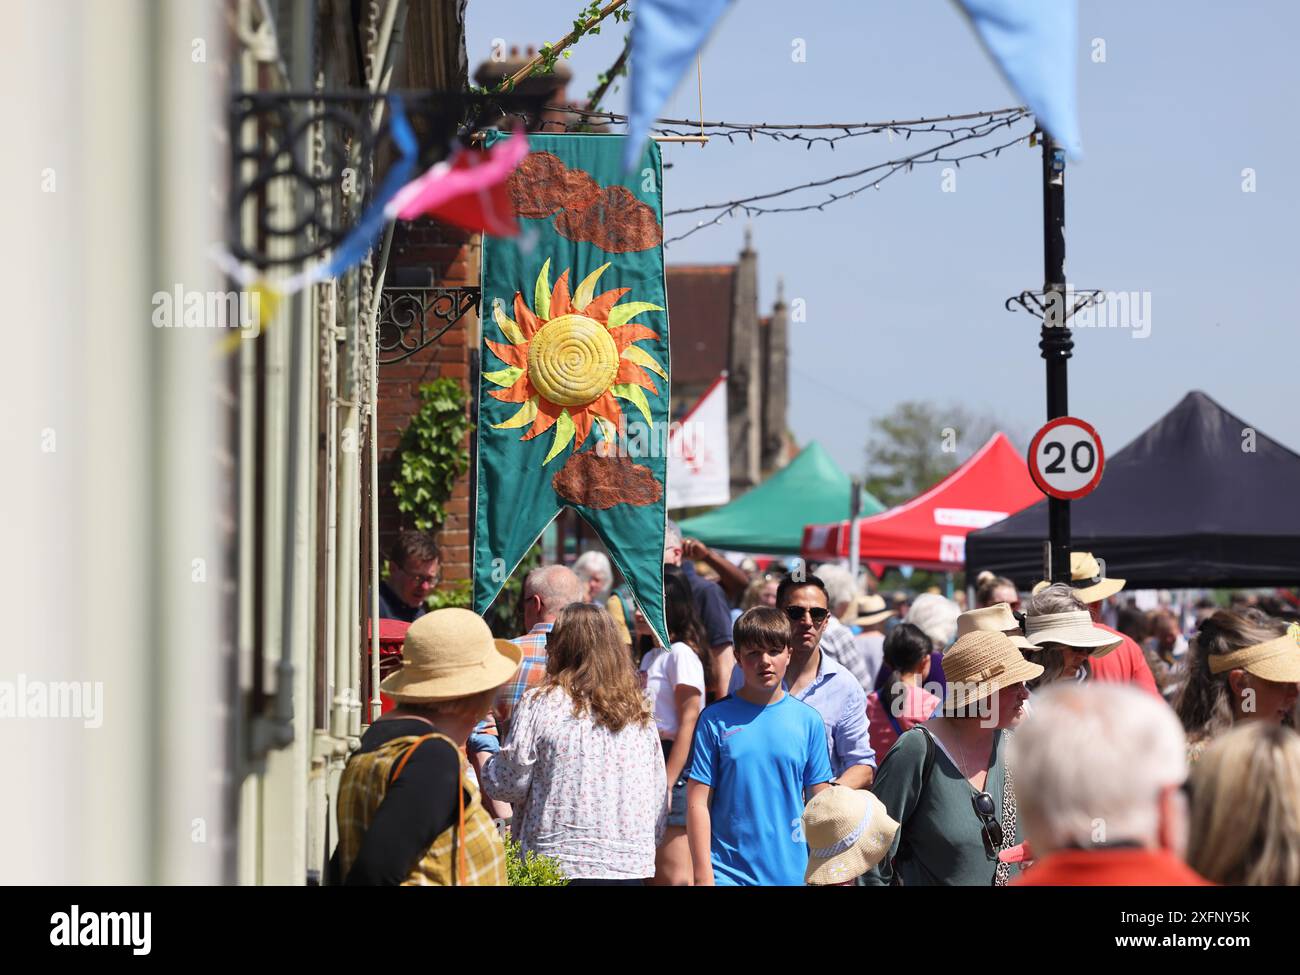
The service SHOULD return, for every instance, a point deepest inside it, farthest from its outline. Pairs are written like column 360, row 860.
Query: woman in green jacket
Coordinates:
column 947, row 782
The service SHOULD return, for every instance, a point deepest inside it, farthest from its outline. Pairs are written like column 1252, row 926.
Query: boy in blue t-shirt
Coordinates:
column 758, row 756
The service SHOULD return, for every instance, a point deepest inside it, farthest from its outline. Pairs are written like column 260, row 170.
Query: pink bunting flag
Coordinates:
column 468, row 190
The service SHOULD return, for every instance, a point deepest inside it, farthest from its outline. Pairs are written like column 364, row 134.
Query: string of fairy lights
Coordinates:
column 954, row 130
column 750, row 206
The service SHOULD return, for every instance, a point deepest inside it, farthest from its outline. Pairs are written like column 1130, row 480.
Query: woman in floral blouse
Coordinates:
column 582, row 765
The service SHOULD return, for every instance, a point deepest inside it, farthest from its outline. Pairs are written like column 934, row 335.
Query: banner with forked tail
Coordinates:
column 575, row 364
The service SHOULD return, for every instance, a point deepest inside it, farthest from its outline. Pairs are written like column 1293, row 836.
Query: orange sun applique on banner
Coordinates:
column 570, row 358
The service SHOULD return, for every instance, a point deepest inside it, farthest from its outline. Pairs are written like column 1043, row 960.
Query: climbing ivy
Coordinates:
column 433, row 455
column 587, row 22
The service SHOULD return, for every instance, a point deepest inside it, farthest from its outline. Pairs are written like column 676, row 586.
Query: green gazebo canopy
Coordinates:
column 769, row 519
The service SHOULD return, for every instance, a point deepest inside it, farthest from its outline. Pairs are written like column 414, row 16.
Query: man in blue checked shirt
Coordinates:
column 814, row 678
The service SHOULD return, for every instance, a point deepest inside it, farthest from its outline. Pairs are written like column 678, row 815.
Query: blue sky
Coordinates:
column 904, row 286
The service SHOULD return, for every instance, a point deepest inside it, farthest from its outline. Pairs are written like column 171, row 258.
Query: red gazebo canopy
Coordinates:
column 929, row 532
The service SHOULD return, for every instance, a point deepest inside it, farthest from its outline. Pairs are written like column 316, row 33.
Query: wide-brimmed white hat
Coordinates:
column 997, row 618
column 1088, row 579
column 1074, row 629
column 848, row 832
column 451, row 653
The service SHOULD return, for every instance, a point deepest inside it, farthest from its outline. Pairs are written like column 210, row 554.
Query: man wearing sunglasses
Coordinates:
column 414, row 569
column 814, row 678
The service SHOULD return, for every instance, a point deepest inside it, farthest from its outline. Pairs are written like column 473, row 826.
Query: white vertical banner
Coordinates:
column 699, row 468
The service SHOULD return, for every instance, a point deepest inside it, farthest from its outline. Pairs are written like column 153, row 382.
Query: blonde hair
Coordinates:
column 1246, row 808
column 753, row 594
column 587, row 660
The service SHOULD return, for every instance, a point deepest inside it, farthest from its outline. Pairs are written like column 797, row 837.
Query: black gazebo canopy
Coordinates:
column 1199, row 499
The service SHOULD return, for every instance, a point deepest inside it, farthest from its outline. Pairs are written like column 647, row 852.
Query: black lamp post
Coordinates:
column 1056, row 343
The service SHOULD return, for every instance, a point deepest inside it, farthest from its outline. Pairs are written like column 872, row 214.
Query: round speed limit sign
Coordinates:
column 1065, row 458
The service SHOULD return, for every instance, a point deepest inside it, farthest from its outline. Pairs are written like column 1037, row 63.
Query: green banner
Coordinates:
column 573, row 400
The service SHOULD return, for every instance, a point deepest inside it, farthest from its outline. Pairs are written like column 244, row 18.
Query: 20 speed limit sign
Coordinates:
column 1065, row 458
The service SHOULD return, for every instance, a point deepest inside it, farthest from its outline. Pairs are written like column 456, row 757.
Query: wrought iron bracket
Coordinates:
column 412, row 318
column 1055, row 340
column 270, row 137
column 1036, row 302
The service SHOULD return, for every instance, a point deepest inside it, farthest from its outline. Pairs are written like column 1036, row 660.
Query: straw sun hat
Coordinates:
column 451, row 653
column 1074, row 629
column 980, row 664
column 997, row 618
column 1276, row 660
column 848, row 832
column 1088, row 579
column 871, row 610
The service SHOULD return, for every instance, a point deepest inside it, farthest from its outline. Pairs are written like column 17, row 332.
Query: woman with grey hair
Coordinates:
column 594, row 570
column 1060, row 624
column 936, row 616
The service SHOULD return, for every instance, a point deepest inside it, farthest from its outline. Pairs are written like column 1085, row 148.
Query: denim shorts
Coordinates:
column 677, row 807
column 483, row 743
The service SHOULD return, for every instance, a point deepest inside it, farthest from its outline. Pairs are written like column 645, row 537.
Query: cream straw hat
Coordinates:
column 997, row 618
column 871, row 609
column 980, row 664
column 451, row 653
column 848, row 832
column 1088, row 579
column 1074, row 629
column 1276, row 660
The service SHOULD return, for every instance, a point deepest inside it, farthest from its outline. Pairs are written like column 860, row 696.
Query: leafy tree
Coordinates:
column 917, row 444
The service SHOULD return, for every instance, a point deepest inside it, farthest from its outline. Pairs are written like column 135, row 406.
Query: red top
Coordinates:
column 1126, row 664
column 1125, row 867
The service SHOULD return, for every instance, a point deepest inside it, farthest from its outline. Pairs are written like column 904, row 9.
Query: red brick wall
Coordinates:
column 453, row 256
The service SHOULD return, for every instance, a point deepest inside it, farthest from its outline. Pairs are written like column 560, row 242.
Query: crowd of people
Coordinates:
column 790, row 728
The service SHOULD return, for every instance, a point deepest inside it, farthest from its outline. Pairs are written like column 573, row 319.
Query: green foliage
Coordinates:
column 605, row 81
column 433, row 454
column 919, row 582
column 917, row 444
column 459, row 596
column 503, row 618
column 587, row 15
column 532, row 869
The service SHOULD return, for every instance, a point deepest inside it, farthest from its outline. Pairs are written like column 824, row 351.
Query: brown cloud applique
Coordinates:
column 592, row 481
column 543, row 184
column 617, row 222
column 610, row 217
